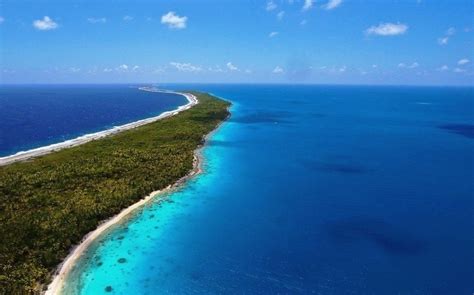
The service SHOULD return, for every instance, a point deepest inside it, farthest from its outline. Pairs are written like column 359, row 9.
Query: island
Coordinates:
column 48, row 204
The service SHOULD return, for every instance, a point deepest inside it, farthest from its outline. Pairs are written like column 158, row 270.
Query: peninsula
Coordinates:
column 50, row 202
column 33, row 153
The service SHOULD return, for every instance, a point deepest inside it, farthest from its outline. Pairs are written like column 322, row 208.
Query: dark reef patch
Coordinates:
column 220, row 143
column 387, row 237
column 195, row 275
column 316, row 115
column 122, row 260
column 259, row 117
column 466, row 130
column 337, row 167
column 108, row 289
column 298, row 102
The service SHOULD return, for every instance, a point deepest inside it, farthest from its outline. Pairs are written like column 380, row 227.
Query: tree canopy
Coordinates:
column 48, row 204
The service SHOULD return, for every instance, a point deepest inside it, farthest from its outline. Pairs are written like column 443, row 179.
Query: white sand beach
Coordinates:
column 33, row 153
column 64, row 269
column 56, row 286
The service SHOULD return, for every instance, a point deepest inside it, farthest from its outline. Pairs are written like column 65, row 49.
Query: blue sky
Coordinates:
column 415, row 42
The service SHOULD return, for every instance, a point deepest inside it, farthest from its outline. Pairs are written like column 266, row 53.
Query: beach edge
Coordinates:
column 55, row 287
column 83, row 139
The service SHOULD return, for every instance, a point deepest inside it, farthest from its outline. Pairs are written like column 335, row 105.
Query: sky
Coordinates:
column 374, row 42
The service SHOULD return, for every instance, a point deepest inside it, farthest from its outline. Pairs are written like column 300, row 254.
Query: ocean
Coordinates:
column 38, row 115
column 306, row 190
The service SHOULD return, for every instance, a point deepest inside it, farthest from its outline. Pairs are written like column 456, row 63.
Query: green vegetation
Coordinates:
column 48, row 204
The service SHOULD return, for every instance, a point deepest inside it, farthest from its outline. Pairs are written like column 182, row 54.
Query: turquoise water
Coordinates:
column 310, row 190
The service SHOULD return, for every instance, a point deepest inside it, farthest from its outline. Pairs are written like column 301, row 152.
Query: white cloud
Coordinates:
column 443, row 68
column 216, row 69
column 273, row 34
column 135, row 68
column 303, row 22
column 127, row 18
column 374, row 66
column 443, row 40
column 459, row 70
column 158, row 71
column 45, row 24
column 2, row 19
column 93, row 70
column 411, row 66
column 123, row 68
column 271, row 6
column 280, row 15
column 387, row 29
column 463, row 61
column 450, row 31
column 174, row 21
column 248, row 71
column 107, row 70
column 231, row 67
column 94, row 20
column 74, row 70
column 332, row 4
column 308, row 4
column 278, row 70
column 185, row 67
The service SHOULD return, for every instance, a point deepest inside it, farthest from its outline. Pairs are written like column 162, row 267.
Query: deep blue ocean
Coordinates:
column 309, row 190
column 38, row 115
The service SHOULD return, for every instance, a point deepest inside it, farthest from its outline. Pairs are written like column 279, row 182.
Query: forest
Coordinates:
column 48, row 204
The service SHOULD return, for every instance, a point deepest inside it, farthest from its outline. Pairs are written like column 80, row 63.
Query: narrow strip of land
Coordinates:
column 41, row 151
column 56, row 286
column 50, row 203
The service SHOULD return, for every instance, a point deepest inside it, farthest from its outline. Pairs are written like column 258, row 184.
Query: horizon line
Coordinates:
column 243, row 83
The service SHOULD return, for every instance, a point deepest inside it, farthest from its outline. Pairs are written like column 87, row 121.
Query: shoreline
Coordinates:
column 63, row 270
column 44, row 150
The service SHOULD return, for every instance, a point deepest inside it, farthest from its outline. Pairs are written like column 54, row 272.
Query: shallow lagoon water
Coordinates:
column 309, row 190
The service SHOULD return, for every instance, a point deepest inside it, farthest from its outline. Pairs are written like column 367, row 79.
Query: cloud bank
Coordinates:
column 94, row 20
column 45, row 24
column 387, row 29
column 332, row 4
column 174, row 21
